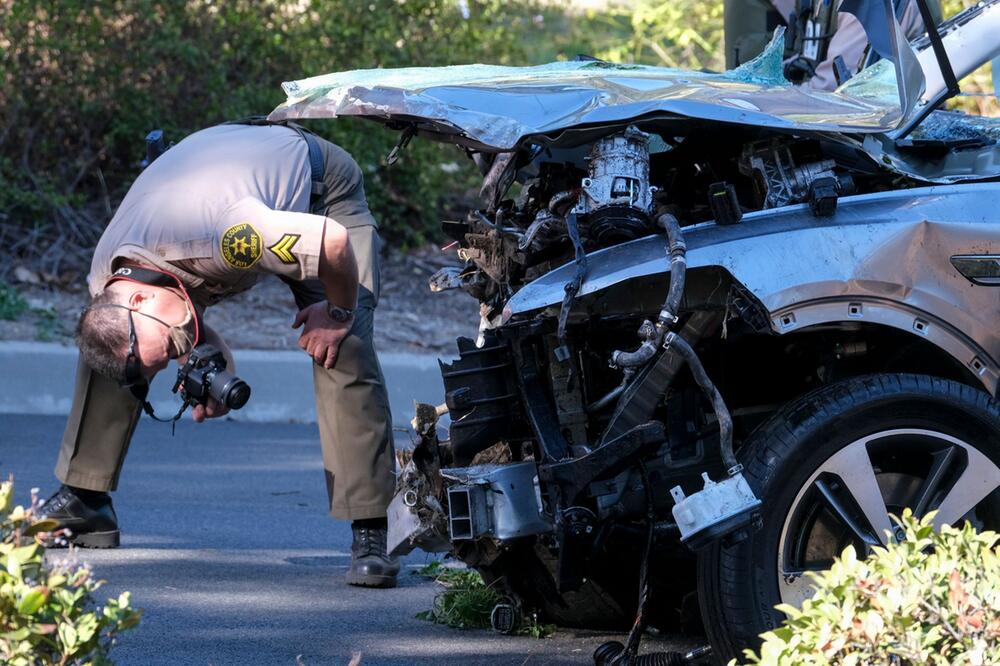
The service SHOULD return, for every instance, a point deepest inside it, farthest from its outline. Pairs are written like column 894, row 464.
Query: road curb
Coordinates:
column 37, row 378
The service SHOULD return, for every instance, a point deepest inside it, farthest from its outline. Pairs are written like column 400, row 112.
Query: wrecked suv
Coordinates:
column 729, row 326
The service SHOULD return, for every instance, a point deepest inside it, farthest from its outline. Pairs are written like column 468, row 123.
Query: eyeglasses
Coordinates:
column 133, row 368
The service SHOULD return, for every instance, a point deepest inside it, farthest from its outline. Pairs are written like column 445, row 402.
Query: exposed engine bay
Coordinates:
column 673, row 269
column 615, row 187
column 568, row 427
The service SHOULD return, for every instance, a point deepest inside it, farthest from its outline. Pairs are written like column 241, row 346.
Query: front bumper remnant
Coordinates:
column 499, row 501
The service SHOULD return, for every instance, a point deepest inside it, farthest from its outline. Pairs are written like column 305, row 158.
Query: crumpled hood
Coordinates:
column 497, row 108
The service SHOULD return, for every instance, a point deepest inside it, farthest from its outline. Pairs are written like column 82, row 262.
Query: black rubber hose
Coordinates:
column 572, row 287
column 606, row 653
column 633, row 359
column 677, row 255
column 718, row 404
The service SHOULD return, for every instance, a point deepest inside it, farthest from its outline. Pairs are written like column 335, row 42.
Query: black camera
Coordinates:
column 204, row 376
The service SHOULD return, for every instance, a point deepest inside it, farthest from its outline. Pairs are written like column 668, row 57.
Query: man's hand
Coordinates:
column 321, row 336
column 210, row 411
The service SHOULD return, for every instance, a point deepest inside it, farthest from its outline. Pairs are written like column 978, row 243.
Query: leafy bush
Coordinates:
column 47, row 614
column 467, row 602
column 931, row 599
column 683, row 33
column 12, row 303
column 85, row 81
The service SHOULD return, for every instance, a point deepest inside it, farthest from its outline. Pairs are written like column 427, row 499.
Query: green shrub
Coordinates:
column 467, row 601
column 12, row 303
column 83, row 82
column 931, row 599
column 47, row 614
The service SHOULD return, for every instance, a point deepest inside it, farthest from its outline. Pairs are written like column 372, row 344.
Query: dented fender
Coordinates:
column 883, row 258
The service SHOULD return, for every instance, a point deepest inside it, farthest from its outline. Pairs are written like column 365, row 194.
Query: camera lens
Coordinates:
column 229, row 390
column 238, row 394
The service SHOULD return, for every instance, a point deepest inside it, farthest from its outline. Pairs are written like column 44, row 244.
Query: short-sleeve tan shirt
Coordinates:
column 217, row 210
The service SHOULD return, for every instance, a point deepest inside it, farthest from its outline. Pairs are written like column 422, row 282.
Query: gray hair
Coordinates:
column 102, row 335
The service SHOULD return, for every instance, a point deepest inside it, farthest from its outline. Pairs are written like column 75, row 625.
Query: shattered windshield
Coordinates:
column 876, row 83
column 958, row 126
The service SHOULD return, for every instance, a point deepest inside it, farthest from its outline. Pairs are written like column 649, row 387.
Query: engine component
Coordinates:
column 572, row 478
column 619, row 173
column 456, row 277
column 617, row 198
column 823, row 196
column 641, row 396
column 714, row 511
column 723, row 203
column 613, row 225
column 501, row 501
column 539, row 232
column 505, row 617
column 611, row 396
column 778, row 181
column 650, row 337
column 483, row 404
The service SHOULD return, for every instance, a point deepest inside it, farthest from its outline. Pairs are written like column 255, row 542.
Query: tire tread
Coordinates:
column 728, row 610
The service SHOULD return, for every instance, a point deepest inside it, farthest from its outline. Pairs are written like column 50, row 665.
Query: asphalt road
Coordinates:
column 228, row 549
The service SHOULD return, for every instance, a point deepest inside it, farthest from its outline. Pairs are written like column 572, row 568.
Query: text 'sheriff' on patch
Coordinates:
column 241, row 246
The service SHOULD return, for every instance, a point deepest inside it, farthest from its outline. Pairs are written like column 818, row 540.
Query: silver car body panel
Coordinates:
column 968, row 46
column 499, row 108
column 881, row 258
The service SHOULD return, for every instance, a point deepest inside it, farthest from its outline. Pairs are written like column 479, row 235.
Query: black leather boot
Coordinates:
column 87, row 514
column 371, row 566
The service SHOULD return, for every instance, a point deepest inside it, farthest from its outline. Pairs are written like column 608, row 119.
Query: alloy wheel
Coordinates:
column 851, row 498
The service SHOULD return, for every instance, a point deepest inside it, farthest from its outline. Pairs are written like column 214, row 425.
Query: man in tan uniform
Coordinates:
column 208, row 218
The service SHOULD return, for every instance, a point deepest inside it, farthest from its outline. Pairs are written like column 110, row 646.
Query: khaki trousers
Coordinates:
column 352, row 406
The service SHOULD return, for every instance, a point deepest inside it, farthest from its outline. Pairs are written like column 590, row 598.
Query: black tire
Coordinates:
column 738, row 584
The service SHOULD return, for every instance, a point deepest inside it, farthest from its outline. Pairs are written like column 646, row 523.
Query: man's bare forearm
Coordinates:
column 338, row 270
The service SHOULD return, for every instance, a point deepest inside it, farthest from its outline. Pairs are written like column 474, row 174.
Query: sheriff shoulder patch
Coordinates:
column 241, row 246
column 283, row 249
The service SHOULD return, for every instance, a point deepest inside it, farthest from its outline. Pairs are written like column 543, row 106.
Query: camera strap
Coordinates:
column 141, row 392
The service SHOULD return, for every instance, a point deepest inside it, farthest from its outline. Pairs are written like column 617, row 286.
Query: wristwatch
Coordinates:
column 337, row 313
